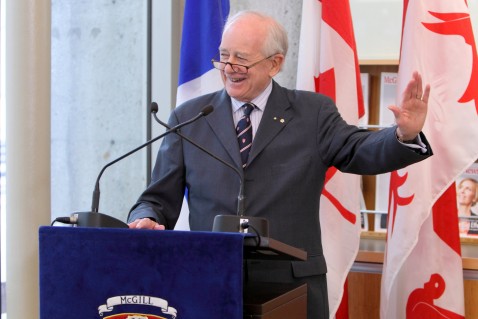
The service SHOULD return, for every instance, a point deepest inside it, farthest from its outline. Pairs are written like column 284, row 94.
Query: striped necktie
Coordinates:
column 244, row 132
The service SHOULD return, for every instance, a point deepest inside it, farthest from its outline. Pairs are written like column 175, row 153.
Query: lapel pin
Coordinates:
column 280, row 120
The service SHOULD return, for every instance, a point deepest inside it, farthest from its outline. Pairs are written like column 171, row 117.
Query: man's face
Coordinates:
column 242, row 44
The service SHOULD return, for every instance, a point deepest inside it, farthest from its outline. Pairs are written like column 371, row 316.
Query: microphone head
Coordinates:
column 154, row 107
column 207, row 109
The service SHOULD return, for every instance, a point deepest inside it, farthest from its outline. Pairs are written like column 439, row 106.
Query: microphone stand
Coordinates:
column 226, row 223
column 95, row 219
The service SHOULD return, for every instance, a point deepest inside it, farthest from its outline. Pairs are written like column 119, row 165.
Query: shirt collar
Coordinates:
column 260, row 101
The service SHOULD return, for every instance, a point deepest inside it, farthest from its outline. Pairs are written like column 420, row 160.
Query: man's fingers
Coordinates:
column 146, row 223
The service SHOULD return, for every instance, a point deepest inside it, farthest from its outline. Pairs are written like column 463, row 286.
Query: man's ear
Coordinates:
column 276, row 61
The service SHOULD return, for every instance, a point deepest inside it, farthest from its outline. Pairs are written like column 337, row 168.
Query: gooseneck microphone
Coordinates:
column 96, row 193
column 241, row 198
column 96, row 219
column 228, row 223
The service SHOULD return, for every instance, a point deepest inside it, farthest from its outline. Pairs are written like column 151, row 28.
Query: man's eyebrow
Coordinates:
column 243, row 55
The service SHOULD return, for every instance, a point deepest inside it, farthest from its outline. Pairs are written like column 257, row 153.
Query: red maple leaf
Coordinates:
column 325, row 83
column 346, row 214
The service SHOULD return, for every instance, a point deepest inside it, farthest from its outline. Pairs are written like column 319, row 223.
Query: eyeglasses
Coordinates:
column 238, row 68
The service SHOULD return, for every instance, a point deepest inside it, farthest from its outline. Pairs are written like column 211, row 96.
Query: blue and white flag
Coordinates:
column 202, row 30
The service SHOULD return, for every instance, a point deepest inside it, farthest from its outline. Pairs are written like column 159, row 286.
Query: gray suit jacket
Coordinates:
column 300, row 136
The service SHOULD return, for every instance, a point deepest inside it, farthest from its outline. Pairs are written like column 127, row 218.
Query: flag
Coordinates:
column 328, row 64
column 422, row 275
column 201, row 36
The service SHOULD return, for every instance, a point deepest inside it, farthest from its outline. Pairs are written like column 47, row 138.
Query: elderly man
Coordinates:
column 294, row 137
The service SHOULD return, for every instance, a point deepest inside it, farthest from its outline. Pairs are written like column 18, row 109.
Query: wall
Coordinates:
column 99, row 70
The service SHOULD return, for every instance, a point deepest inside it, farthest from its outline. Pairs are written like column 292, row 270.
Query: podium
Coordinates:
column 145, row 274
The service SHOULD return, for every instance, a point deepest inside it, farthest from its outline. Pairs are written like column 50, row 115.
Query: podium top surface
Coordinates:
column 271, row 249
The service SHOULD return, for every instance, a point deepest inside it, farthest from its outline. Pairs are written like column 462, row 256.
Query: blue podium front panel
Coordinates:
column 139, row 274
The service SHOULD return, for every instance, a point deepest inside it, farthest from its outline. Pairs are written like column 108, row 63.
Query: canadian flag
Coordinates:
column 422, row 274
column 328, row 64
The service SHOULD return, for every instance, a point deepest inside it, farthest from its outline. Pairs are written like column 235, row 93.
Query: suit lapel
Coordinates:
column 276, row 116
column 222, row 124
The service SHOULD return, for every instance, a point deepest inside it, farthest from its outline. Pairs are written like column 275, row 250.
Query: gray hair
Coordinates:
column 276, row 41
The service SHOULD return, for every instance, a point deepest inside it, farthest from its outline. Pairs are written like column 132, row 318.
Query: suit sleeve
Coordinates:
column 359, row 151
column 163, row 198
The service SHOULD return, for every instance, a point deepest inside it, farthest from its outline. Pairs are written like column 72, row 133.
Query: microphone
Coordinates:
column 96, row 193
column 226, row 223
column 96, row 219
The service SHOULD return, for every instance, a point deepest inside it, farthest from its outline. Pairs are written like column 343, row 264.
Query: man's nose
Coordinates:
column 228, row 68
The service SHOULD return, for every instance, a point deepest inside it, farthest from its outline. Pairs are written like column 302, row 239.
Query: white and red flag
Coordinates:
column 423, row 276
column 328, row 64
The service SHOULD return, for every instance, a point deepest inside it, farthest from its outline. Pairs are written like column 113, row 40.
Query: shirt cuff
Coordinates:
column 416, row 144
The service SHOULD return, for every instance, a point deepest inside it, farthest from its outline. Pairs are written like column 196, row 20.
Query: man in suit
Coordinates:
column 297, row 136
